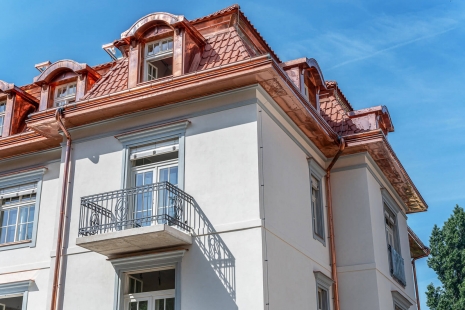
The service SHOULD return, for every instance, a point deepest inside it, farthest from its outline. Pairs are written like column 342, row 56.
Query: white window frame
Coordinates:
column 20, row 178
column 316, row 172
column 146, row 263
column 400, row 301
column 57, row 101
column 152, row 135
column 16, row 289
column 323, row 282
column 2, row 117
column 154, row 57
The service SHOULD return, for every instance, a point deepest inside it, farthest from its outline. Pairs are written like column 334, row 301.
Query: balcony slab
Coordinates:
column 135, row 239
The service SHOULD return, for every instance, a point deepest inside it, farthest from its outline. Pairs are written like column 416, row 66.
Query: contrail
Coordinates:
column 390, row 48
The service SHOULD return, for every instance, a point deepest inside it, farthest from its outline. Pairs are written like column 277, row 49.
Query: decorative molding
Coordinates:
column 400, row 301
column 15, row 287
column 323, row 280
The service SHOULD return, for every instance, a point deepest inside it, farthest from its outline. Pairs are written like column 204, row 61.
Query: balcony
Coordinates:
column 135, row 219
column 396, row 266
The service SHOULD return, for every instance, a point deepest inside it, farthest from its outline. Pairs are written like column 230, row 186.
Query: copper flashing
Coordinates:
column 64, row 65
column 9, row 88
column 417, row 248
column 375, row 143
column 307, row 64
column 174, row 21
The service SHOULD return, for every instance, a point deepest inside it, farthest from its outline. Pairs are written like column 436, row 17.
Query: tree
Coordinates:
column 447, row 259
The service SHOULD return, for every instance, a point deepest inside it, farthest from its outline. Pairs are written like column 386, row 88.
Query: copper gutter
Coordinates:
column 342, row 145
column 64, row 196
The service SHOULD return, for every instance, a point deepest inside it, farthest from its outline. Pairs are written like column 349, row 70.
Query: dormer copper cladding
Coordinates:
column 19, row 104
column 63, row 72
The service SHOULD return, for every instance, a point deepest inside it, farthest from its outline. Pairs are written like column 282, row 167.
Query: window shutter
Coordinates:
column 154, row 149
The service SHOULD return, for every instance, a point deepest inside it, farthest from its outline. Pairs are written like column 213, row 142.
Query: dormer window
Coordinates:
column 158, row 59
column 2, row 116
column 65, row 94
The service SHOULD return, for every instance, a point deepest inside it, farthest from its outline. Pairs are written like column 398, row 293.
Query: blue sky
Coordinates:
column 407, row 55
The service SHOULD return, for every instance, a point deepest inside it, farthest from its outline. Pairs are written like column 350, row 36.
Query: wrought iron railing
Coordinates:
column 158, row 203
column 396, row 265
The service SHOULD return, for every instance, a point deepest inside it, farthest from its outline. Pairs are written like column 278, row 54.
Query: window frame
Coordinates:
column 16, row 289
column 400, row 301
column 323, row 282
column 67, row 98
column 152, row 135
column 160, row 56
column 2, row 116
column 146, row 263
column 24, row 177
column 317, row 172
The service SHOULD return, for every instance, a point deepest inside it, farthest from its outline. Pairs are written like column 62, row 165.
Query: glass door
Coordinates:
column 143, row 206
column 167, row 199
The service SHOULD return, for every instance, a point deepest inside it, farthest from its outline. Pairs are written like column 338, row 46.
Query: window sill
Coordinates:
column 14, row 243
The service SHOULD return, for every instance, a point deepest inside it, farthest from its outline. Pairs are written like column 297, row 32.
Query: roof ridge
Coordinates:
column 222, row 11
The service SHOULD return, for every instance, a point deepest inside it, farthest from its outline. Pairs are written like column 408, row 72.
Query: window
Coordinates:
column 323, row 284
column 17, row 213
column 154, row 163
column 2, row 118
column 149, row 281
column 159, row 59
column 14, row 295
column 400, row 302
column 65, row 94
column 150, row 290
column 322, row 299
column 390, row 223
column 317, row 209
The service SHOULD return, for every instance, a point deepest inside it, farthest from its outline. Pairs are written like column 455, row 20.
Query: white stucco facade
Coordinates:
column 249, row 171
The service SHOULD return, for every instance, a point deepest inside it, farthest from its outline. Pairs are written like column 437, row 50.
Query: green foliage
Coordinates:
column 447, row 259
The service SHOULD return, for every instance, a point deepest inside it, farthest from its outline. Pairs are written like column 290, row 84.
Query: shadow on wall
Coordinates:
column 215, row 250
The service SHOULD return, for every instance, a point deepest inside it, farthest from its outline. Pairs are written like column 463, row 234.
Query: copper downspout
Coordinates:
column 416, row 284
column 64, row 196
column 342, row 145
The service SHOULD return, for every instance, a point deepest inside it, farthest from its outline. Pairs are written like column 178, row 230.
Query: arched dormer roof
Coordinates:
column 64, row 65
column 316, row 71
column 307, row 64
column 11, row 88
column 153, row 19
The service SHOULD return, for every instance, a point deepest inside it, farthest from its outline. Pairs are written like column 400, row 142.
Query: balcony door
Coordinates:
column 154, row 163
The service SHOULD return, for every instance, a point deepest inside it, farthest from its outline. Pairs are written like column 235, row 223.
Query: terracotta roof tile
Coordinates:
column 114, row 80
column 333, row 112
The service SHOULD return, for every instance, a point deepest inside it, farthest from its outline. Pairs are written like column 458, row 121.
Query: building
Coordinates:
column 196, row 170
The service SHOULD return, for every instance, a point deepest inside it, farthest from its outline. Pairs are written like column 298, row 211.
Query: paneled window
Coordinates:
column 322, row 299
column 150, row 290
column 158, row 59
column 65, row 94
column 17, row 212
column 2, row 118
column 317, row 209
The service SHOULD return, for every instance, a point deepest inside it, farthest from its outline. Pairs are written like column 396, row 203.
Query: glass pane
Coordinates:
column 21, row 232
column 1, row 120
column 143, row 305
column 23, row 215
column 160, row 304
column 133, row 305
column 174, row 176
column 30, row 218
column 12, row 216
column 3, row 235
column 2, row 107
column 156, row 48
column 163, row 175
column 29, row 231
column 169, row 304
column 170, row 44
column 3, row 218
column 10, row 234
column 139, row 179
column 165, row 46
column 148, row 178
column 131, row 285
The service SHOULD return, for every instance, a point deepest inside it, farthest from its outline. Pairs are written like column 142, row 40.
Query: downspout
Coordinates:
column 342, row 145
column 416, row 284
column 64, row 198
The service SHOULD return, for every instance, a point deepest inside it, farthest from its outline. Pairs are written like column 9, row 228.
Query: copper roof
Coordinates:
column 217, row 13
column 334, row 113
column 222, row 49
column 113, row 81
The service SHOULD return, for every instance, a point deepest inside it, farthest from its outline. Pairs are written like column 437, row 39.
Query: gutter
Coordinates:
column 64, row 197
column 342, row 145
